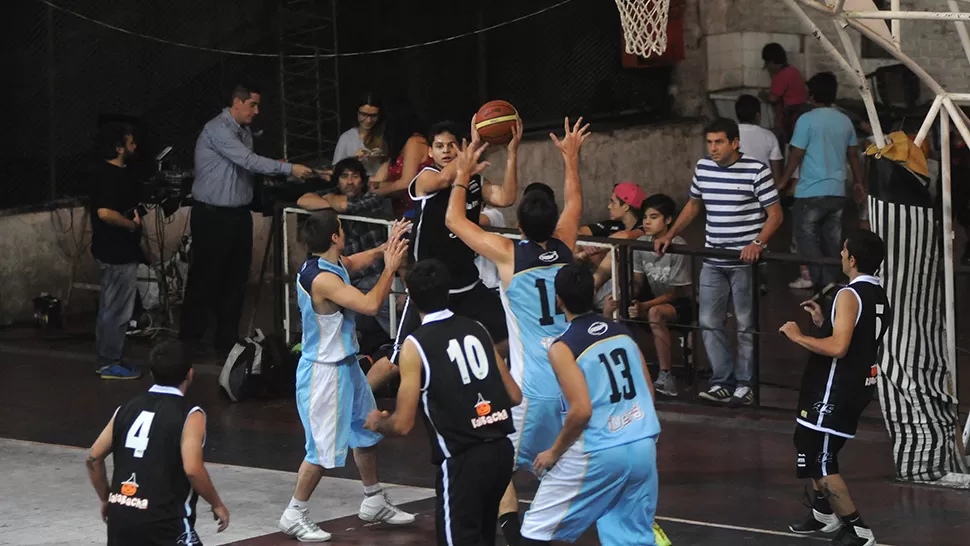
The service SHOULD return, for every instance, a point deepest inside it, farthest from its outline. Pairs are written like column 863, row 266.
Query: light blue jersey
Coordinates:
column 533, row 320
column 326, row 338
column 623, row 409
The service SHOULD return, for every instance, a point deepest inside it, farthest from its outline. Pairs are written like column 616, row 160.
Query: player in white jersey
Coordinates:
column 527, row 270
column 332, row 394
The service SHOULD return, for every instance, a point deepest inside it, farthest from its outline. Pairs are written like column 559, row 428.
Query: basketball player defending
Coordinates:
column 527, row 270
column 602, row 468
column 837, row 386
column 156, row 442
column 332, row 394
column 466, row 396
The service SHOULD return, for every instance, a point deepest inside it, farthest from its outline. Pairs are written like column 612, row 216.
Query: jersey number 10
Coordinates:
column 473, row 358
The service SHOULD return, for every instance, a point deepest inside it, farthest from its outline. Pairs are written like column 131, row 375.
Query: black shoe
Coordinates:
column 854, row 536
column 817, row 522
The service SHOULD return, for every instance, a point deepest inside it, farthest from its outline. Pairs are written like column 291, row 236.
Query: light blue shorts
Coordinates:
column 537, row 424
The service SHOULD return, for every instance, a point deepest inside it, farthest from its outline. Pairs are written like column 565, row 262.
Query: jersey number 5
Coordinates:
column 546, row 319
column 473, row 357
column 137, row 438
column 621, row 363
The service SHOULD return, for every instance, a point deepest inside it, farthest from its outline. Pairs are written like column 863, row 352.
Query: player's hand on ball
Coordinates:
column 516, row 136
column 544, row 461
column 569, row 146
column 221, row 514
column 790, row 330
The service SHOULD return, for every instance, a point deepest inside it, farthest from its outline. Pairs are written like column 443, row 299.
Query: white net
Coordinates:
column 644, row 25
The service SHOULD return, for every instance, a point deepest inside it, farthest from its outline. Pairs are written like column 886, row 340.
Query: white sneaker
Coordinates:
column 297, row 524
column 378, row 508
column 801, row 283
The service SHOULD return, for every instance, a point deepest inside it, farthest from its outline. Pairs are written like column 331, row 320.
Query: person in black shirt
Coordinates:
column 466, row 395
column 837, row 386
column 156, row 443
column 116, row 245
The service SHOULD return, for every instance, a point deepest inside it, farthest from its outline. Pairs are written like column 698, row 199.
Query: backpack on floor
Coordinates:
column 258, row 367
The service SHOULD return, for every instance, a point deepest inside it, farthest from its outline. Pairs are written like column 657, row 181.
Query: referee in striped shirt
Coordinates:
column 743, row 211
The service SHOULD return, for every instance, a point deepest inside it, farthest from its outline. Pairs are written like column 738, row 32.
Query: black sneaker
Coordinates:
column 743, row 396
column 854, row 536
column 717, row 394
column 817, row 522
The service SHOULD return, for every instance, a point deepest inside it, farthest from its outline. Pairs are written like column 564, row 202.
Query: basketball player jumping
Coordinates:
column 527, row 270
column 837, row 386
column 332, row 394
column 466, row 395
column 156, row 443
column 602, row 467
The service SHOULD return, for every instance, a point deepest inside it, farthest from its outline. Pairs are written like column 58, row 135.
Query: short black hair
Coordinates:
column 540, row 187
column 170, row 363
column 724, row 125
column 868, row 250
column 319, row 229
column 747, row 108
column 112, row 136
column 351, row 164
column 445, row 127
column 243, row 91
column 823, row 87
column 774, row 53
column 428, row 282
column 574, row 286
column 661, row 203
column 537, row 215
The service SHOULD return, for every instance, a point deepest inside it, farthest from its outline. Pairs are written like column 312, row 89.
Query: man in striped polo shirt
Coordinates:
column 743, row 212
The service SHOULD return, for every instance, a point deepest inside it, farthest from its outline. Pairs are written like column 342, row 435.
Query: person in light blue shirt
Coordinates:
column 602, row 467
column 824, row 147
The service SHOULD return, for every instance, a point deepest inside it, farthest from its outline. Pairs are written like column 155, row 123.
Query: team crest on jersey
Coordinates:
column 873, row 374
column 550, row 256
column 127, row 496
column 597, row 328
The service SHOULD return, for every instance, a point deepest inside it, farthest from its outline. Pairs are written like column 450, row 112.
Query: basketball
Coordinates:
column 495, row 120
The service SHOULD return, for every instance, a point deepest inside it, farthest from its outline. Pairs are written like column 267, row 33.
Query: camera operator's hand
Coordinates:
column 302, row 172
column 137, row 221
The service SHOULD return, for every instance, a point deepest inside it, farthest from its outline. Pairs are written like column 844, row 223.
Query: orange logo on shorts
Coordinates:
column 483, row 407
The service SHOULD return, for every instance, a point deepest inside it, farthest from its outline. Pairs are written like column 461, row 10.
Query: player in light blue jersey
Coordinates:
column 527, row 270
column 332, row 394
column 602, row 468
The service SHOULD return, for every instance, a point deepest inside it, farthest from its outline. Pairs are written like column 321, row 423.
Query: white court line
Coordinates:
column 730, row 527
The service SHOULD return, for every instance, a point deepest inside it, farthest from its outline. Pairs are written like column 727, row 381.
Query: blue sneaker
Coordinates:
column 100, row 369
column 117, row 371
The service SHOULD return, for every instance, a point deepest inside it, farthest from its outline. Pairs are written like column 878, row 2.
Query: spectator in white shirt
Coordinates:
column 756, row 141
column 365, row 142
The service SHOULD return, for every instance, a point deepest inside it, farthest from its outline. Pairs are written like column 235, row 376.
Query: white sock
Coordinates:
column 371, row 490
column 298, row 505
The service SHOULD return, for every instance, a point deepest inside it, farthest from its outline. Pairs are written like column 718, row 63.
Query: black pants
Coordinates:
column 469, row 487
column 221, row 253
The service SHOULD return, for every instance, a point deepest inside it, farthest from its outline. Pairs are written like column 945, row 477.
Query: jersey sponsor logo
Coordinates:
column 472, row 205
column 550, row 256
column 127, row 496
column 597, row 329
column 823, row 409
column 824, row 458
column 617, row 422
column 483, row 407
column 873, row 374
column 473, row 185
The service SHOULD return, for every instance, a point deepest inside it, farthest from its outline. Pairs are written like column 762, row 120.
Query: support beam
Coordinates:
column 864, row 90
column 961, row 30
column 894, row 25
column 928, row 120
column 958, row 118
column 951, row 337
column 908, row 15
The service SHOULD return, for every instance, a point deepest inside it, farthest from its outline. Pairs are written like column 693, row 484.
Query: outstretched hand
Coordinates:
column 570, row 144
column 467, row 160
column 396, row 246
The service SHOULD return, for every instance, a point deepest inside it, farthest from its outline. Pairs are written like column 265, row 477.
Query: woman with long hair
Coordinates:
column 408, row 153
column 365, row 142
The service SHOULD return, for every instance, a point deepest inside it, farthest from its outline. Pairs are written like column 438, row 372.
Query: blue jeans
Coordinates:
column 718, row 284
column 115, row 306
column 818, row 233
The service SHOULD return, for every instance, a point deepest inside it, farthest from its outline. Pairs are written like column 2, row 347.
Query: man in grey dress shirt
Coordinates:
column 222, row 226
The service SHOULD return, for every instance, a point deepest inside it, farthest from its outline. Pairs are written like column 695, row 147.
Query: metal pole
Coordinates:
column 336, row 65
column 286, row 277
column 817, row 34
column 908, row 15
column 951, row 343
column 392, row 297
column 51, row 134
column 894, row 25
column 961, row 30
column 864, row 90
column 902, row 57
column 838, row 7
column 956, row 115
column 928, row 121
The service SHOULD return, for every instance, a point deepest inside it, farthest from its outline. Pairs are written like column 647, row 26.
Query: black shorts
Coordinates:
column 156, row 534
column 818, row 453
column 686, row 311
column 469, row 488
column 478, row 303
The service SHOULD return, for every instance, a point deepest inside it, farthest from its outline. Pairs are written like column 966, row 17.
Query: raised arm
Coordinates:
column 504, row 195
column 430, row 181
column 331, row 287
column 364, row 259
column 574, row 389
column 492, row 246
column 572, row 211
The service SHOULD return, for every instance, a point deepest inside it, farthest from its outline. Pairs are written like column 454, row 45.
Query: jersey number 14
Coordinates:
column 546, row 319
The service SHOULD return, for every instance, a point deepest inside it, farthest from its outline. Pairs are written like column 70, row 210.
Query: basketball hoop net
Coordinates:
column 644, row 26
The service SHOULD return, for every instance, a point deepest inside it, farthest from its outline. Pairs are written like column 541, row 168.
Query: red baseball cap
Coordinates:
column 630, row 193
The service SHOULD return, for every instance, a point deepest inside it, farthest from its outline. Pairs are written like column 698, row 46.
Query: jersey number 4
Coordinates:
column 137, row 438
column 546, row 319
column 473, row 358
column 620, row 363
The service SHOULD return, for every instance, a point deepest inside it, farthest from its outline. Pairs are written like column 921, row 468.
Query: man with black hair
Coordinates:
column 838, row 384
column 116, row 245
column 450, row 368
column 527, row 270
column 787, row 92
column 221, row 222
column 156, row 445
column 823, row 146
column 756, row 141
column 602, row 466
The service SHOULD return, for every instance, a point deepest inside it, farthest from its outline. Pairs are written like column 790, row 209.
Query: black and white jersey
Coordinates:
column 463, row 398
column 149, row 486
column 432, row 239
column 835, row 391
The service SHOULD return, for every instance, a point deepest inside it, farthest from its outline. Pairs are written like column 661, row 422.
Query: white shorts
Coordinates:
column 333, row 401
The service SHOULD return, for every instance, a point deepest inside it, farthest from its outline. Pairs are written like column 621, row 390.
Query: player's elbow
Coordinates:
column 515, row 395
column 403, row 426
column 581, row 412
column 193, row 469
column 307, row 201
